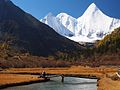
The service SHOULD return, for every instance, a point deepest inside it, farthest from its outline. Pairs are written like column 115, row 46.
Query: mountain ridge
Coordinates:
column 91, row 26
column 30, row 35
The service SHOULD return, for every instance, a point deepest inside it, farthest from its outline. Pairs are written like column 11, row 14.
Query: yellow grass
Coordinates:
column 14, row 78
column 104, row 83
column 98, row 71
column 108, row 84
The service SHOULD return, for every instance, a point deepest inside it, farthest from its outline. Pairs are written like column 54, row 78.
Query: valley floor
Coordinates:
column 106, row 83
column 9, row 80
column 21, row 75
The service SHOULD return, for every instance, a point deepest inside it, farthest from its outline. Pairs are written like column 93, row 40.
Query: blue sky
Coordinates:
column 75, row 8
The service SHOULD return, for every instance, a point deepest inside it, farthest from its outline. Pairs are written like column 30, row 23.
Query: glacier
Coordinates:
column 91, row 26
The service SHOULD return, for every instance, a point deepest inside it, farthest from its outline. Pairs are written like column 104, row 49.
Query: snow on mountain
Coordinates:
column 91, row 26
column 94, row 24
column 55, row 23
column 68, row 21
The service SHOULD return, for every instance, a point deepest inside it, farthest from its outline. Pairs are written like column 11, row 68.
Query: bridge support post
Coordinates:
column 62, row 78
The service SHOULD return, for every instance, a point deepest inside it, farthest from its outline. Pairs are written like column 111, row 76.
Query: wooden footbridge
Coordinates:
column 53, row 76
column 69, row 75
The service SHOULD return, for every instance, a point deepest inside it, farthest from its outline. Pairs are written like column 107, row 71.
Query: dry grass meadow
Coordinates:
column 18, row 75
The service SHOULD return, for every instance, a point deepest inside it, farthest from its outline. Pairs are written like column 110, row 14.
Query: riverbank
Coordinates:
column 107, row 83
column 9, row 80
column 76, row 71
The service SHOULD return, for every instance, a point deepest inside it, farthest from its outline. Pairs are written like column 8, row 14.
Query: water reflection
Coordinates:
column 70, row 83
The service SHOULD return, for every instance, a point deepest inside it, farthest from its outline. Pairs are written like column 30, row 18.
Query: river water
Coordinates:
column 70, row 83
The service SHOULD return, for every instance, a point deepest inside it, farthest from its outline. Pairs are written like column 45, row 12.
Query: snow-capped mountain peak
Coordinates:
column 64, row 15
column 91, row 26
column 68, row 21
column 92, row 6
column 91, row 10
column 49, row 15
column 55, row 23
column 93, row 23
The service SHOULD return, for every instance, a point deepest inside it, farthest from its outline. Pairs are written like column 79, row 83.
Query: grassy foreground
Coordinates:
column 8, row 80
column 104, row 74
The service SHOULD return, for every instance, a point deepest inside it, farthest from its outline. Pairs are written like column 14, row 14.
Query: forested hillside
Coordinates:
column 111, row 43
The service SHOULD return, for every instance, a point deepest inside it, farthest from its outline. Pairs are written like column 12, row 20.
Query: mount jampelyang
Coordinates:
column 91, row 26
